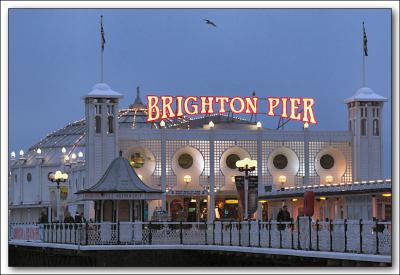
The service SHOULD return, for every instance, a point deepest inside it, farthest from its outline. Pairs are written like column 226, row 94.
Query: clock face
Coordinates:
column 231, row 161
column 280, row 161
column 185, row 161
column 327, row 161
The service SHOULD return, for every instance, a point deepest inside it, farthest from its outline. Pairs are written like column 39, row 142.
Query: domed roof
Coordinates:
column 365, row 94
column 72, row 136
column 103, row 90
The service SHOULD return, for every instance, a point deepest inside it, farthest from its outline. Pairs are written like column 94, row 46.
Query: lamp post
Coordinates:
column 246, row 165
column 58, row 177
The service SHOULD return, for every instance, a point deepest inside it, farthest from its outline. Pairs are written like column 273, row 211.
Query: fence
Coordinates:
column 353, row 236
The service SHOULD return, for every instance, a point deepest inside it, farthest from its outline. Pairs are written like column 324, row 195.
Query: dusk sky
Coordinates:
column 54, row 59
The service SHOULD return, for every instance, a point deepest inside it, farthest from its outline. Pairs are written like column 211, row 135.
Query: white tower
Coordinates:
column 101, row 113
column 365, row 119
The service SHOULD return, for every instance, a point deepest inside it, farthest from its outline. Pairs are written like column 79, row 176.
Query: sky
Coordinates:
column 54, row 59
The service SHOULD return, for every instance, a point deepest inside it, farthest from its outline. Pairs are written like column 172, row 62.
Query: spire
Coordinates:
column 138, row 100
column 138, row 104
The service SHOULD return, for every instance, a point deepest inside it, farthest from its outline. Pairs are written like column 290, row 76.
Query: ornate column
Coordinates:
column 211, row 197
column 163, row 169
column 259, row 170
column 374, row 207
column 306, row 157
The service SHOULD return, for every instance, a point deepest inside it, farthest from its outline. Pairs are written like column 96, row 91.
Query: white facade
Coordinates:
column 92, row 144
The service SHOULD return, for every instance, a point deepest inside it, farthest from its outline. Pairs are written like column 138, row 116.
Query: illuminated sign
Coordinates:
column 164, row 107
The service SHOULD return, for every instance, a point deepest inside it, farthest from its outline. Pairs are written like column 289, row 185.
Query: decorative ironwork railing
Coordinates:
column 352, row 236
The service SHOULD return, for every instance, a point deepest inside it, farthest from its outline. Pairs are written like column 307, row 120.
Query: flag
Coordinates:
column 365, row 41
column 103, row 40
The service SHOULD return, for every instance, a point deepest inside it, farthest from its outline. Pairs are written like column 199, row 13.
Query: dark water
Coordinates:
column 32, row 256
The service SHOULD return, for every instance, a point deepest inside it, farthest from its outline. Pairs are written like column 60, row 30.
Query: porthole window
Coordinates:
column 185, row 161
column 231, row 161
column 137, row 160
column 327, row 161
column 280, row 161
column 29, row 177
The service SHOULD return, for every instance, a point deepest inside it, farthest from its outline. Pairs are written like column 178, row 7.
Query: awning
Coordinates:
column 119, row 182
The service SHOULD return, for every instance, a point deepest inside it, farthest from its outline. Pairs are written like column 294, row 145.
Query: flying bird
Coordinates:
column 210, row 22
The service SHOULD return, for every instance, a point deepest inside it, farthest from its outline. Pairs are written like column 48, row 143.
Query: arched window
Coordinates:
column 363, row 127
column 375, row 127
column 98, row 124
column 350, row 125
column 110, row 124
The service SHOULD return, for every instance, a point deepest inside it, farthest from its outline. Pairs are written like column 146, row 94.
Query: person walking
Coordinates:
column 68, row 218
column 78, row 218
column 43, row 217
column 83, row 217
column 283, row 216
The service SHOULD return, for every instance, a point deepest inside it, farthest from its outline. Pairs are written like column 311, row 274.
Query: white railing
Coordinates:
column 353, row 236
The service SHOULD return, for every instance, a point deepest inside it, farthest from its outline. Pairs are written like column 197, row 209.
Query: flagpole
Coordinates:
column 363, row 70
column 363, row 64
column 101, row 49
column 364, row 54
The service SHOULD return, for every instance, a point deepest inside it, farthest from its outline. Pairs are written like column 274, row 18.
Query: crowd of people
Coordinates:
column 68, row 218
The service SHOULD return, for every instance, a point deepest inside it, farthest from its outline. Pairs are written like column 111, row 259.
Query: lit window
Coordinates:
column 363, row 127
column 98, row 124
column 375, row 127
column 137, row 160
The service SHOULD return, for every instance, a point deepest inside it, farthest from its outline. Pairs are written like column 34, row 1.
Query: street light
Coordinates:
column 282, row 181
column 187, row 179
column 58, row 177
column 246, row 165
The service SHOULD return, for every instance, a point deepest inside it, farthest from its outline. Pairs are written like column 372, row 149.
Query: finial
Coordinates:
column 120, row 153
column 254, row 93
column 137, row 91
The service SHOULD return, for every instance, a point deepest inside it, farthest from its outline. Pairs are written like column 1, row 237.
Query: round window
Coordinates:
column 280, row 161
column 29, row 177
column 327, row 161
column 231, row 161
column 137, row 160
column 185, row 161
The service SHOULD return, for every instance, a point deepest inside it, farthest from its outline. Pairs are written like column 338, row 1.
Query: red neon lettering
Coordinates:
column 207, row 101
column 153, row 109
column 167, row 107
column 308, row 111
column 273, row 102
column 195, row 108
